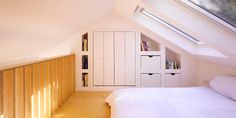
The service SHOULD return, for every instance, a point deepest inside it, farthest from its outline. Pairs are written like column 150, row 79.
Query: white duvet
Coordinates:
column 195, row 102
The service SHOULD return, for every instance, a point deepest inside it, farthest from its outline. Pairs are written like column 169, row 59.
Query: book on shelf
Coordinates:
column 145, row 46
column 85, row 62
column 85, row 45
column 172, row 65
column 85, row 79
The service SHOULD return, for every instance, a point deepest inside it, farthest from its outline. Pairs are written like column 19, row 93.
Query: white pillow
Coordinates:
column 225, row 85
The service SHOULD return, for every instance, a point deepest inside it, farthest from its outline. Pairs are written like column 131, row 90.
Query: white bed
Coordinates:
column 193, row 102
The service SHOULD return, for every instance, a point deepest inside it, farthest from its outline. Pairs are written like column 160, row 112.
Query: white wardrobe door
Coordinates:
column 98, row 58
column 119, row 58
column 108, row 58
column 130, row 58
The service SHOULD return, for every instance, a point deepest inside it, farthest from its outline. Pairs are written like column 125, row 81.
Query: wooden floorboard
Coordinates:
column 84, row 105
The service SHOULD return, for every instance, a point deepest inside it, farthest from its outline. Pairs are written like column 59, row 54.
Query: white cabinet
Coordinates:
column 150, row 80
column 172, row 80
column 150, row 62
column 108, row 58
column 98, row 58
column 119, row 58
column 114, row 58
column 130, row 58
column 125, row 56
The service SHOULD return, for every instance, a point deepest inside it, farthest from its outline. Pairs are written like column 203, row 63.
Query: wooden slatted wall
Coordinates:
column 36, row 90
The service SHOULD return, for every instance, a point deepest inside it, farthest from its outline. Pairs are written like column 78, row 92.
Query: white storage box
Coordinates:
column 150, row 62
column 173, row 80
column 150, row 80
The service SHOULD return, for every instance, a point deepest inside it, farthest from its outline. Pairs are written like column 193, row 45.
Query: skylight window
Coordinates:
column 158, row 19
column 222, row 11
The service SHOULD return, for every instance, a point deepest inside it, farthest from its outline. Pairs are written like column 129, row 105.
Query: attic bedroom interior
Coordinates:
column 118, row 59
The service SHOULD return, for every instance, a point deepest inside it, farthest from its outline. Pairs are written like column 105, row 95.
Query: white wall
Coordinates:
column 206, row 71
column 189, row 63
column 194, row 72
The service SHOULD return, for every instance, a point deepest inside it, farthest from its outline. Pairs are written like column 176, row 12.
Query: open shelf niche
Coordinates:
column 85, row 42
column 147, row 44
column 84, row 79
column 173, row 60
column 85, row 61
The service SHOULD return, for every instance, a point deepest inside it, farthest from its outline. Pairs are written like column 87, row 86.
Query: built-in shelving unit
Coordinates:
column 99, row 54
column 172, row 68
column 173, row 60
column 148, row 45
column 150, row 62
column 159, row 65
column 84, row 80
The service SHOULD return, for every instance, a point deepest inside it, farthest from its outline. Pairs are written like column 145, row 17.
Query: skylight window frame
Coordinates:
column 158, row 19
column 209, row 15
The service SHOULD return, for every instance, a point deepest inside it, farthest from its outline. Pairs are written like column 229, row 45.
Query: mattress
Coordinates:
column 193, row 102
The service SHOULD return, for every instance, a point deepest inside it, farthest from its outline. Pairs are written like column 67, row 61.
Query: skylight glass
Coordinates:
column 222, row 9
column 158, row 19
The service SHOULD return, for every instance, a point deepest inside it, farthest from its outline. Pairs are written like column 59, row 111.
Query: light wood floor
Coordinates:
column 84, row 105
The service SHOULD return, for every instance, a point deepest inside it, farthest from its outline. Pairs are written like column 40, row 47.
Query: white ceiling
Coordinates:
column 30, row 27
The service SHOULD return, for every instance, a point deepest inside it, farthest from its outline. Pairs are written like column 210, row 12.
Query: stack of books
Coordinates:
column 145, row 46
column 85, row 62
column 85, row 42
column 172, row 65
column 85, row 79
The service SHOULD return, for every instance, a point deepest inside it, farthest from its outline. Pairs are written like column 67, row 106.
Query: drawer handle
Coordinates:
column 150, row 73
column 172, row 73
column 150, row 56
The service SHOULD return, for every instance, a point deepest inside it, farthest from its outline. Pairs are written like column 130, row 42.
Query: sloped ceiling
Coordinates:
column 217, row 39
column 31, row 27
column 215, row 36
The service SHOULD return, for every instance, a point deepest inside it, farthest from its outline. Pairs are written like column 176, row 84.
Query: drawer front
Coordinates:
column 173, row 80
column 150, row 62
column 151, row 80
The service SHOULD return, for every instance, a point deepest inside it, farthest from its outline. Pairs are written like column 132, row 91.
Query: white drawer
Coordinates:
column 150, row 80
column 150, row 62
column 173, row 80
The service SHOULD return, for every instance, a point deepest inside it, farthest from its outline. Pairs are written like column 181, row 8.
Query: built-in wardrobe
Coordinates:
column 114, row 58
column 117, row 59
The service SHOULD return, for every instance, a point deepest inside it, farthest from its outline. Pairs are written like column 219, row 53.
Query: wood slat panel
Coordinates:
column 28, row 90
column 36, row 90
column 19, row 93
column 52, row 85
column 1, row 95
column 8, row 92
column 35, row 104
column 62, row 80
column 42, row 91
column 69, row 76
column 56, row 81
column 73, row 71
column 46, row 79
column 59, row 82
column 66, row 78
